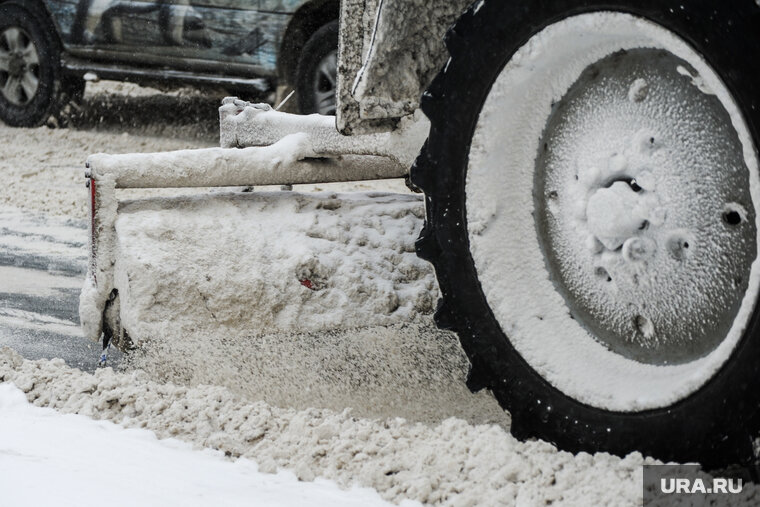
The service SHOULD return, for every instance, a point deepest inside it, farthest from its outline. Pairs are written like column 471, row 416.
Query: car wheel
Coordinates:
column 592, row 184
column 29, row 68
column 316, row 77
column 73, row 87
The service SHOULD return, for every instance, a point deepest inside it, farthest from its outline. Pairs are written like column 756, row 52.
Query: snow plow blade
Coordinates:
column 260, row 146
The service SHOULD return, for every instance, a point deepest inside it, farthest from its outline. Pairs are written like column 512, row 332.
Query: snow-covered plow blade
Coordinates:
column 259, row 147
column 312, row 299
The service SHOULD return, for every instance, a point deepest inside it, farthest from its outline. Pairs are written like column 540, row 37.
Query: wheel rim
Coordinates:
column 325, row 79
column 672, row 224
column 624, row 238
column 19, row 66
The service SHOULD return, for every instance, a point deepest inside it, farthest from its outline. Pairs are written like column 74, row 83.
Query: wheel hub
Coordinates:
column 19, row 66
column 16, row 65
column 613, row 215
column 643, row 208
column 325, row 83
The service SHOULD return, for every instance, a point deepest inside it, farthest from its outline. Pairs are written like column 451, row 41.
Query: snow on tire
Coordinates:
column 591, row 182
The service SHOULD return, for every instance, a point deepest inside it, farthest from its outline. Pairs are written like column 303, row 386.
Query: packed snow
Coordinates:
column 327, row 304
column 298, row 261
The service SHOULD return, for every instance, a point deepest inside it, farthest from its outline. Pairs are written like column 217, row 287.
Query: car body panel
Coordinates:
column 246, row 33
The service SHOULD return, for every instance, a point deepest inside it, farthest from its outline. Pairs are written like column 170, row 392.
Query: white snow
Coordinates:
column 638, row 90
column 49, row 458
column 449, row 463
column 38, row 322
column 697, row 80
column 299, row 299
column 609, row 214
column 56, row 247
column 38, row 283
column 243, row 124
column 43, row 168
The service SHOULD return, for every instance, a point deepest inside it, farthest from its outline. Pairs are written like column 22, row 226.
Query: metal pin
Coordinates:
column 284, row 100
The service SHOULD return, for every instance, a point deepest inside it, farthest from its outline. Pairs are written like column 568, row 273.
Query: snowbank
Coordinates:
column 452, row 463
column 83, row 462
column 301, row 300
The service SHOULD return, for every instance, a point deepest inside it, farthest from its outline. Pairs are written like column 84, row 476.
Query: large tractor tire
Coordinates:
column 592, row 184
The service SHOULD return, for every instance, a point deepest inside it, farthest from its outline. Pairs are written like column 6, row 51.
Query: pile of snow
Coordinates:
column 300, row 300
column 452, row 463
column 83, row 462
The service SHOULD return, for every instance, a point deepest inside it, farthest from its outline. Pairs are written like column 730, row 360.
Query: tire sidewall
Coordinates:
column 319, row 45
column 715, row 424
column 39, row 109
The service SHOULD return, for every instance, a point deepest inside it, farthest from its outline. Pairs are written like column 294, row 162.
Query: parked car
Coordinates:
column 244, row 46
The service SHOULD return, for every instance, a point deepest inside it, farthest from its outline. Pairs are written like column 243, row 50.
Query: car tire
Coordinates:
column 73, row 87
column 497, row 308
column 30, row 85
column 316, row 75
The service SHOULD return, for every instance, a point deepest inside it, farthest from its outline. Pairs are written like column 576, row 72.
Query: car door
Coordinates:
column 171, row 32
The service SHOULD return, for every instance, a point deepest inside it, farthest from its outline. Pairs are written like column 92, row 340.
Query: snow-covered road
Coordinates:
column 43, row 230
column 42, row 264
column 48, row 458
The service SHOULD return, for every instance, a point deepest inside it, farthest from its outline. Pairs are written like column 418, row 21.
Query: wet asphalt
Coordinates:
column 43, row 262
